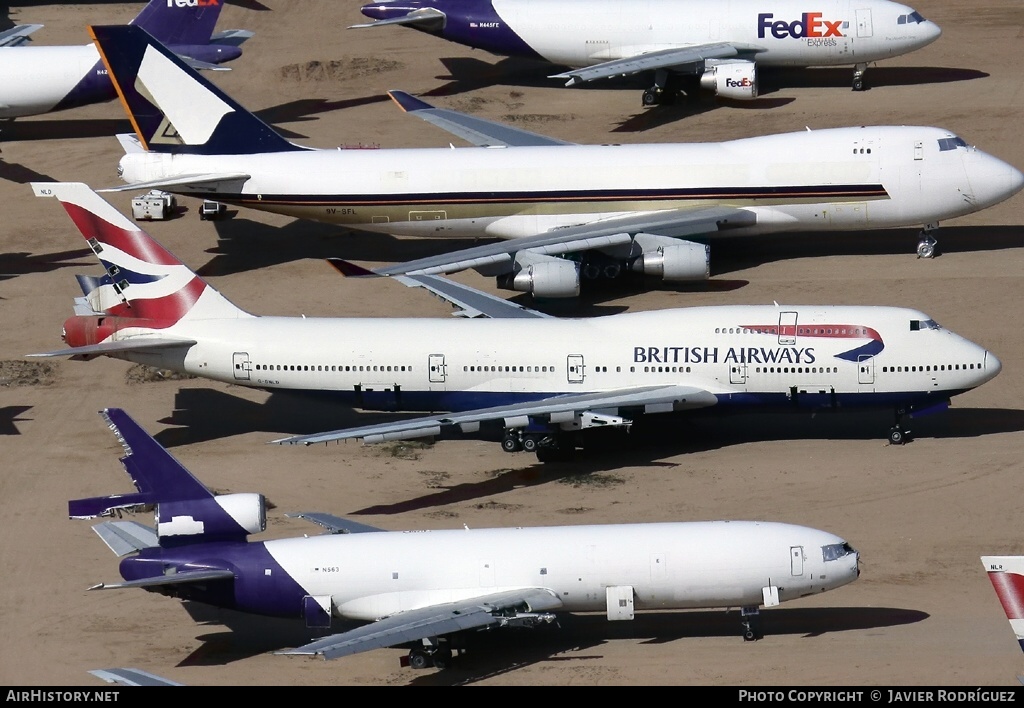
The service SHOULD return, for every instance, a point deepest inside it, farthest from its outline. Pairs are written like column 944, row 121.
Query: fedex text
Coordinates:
column 809, row 25
column 192, row 3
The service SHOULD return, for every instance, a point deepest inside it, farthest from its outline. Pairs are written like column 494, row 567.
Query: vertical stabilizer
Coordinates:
column 173, row 108
column 180, row 21
column 1007, row 576
column 143, row 280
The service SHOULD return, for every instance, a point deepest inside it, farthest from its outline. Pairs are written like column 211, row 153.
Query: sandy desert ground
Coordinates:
column 922, row 613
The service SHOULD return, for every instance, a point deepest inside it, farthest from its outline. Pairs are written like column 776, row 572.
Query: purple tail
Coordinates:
column 180, row 21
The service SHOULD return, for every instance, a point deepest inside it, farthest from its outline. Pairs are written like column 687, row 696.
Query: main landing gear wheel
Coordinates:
column 896, row 436
column 529, row 443
column 418, row 659
column 650, row 97
column 511, row 442
column 442, row 658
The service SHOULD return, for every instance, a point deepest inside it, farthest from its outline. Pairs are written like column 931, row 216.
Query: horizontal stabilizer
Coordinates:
column 228, row 181
column 200, row 65
column 335, row 524
column 426, row 18
column 351, row 270
column 105, row 506
column 480, row 132
column 180, row 578
column 132, row 677
column 124, row 537
column 232, row 38
column 129, row 143
column 124, row 345
column 17, row 35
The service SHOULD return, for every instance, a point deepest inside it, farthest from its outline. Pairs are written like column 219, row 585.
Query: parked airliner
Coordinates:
column 649, row 208
column 427, row 590
column 35, row 80
column 685, row 44
column 536, row 382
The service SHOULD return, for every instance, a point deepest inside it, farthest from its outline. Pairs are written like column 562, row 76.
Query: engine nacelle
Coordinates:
column 543, row 276
column 731, row 79
column 229, row 516
column 673, row 260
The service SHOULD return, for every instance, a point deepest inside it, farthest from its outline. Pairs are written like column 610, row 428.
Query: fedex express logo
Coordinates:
column 809, row 25
column 192, row 3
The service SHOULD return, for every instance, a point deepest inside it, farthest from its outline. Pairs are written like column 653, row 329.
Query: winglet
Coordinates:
column 408, row 102
column 351, row 270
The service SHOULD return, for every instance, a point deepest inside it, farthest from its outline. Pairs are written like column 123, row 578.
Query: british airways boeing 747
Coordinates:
column 684, row 44
column 537, row 383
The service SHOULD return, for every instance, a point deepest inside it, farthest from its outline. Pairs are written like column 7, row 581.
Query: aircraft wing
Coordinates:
column 426, row 18
column 213, row 180
column 607, row 233
column 125, row 345
column 335, row 524
column 552, row 409
column 410, row 626
column 132, row 677
column 17, row 35
column 472, row 302
column 480, row 132
column 681, row 58
column 179, row 578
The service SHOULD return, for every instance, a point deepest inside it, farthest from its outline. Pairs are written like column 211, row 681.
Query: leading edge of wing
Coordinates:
column 480, row 132
column 674, row 223
column 554, row 409
column 676, row 57
column 432, row 621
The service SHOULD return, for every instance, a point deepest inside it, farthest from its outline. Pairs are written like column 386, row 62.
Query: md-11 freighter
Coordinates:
column 42, row 79
column 537, row 382
column 685, row 44
column 564, row 210
column 427, row 590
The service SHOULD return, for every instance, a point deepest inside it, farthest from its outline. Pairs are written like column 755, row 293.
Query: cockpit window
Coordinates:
column 918, row 325
column 835, row 551
column 951, row 144
column 914, row 18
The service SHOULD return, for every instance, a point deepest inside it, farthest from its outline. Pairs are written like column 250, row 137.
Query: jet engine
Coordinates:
column 671, row 259
column 543, row 276
column 225, row 516
column 731, row 79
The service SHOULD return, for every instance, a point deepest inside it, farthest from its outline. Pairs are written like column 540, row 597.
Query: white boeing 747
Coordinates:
column 536, row 382
column 711, row 44
column 427, row 590
column 564, row 210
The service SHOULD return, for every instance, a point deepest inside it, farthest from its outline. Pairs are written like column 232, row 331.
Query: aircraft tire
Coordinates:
column 418, row 659
column 650, row 98
column 510, row 443
column 529, row 443
column 896, row 437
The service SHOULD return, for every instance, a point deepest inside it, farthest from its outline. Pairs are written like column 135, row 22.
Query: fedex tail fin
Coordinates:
column 180, row 21
column 172, row 108
column 143, row 280
column 1007, row 576
column 186, row 511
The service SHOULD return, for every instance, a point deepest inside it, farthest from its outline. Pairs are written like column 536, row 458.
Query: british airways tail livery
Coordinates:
column 684, row 44
column 651, row 209
column 535, row 382
column 426, row 591
column 1007, row 576
column 35, row 80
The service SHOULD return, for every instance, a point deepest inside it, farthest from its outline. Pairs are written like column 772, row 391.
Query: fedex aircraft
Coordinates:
column 685, row 44
column 35, row 80
column 565, row 211
column 426, row 590
column 535, row 382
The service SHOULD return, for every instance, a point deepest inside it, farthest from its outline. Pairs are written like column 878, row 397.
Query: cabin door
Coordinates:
column 864, row 28
column 865, row 369
column 575, row 368
column 437, row 368
column 796, row 561
column 242, row 366
column 787, row 328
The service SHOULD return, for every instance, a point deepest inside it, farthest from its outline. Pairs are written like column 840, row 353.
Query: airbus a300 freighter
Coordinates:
column 42, row 79
column 427, row 590
column 648, row 208
column 713, row 44
column 534, row 381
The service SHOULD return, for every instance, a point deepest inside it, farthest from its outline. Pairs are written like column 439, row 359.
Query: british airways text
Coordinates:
column 710, row 355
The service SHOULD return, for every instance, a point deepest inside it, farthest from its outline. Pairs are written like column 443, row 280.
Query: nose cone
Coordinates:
column 929, row 32
column 991, row 366
column 991, row 179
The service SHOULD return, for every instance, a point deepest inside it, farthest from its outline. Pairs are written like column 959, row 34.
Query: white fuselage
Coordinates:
column 666, row 566
column 34, row 80
column 738, row 355
column 580, row 33
column 835, row 179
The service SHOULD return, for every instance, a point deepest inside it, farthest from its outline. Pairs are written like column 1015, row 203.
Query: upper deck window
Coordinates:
column 951, row 144
column 917, row 325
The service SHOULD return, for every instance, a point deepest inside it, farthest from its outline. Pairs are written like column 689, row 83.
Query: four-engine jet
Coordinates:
column 537, row 382
column 35, row 80
column 685, row 44
column 650, row 208
column 427, row 590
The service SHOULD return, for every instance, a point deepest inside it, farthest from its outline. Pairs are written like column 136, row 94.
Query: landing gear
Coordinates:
column 438, row 657
column 419, row 659
column 858, row 77
column 897, row 435
column 550, row 447
column 928, row 246
column 751, row 621
column 511, row 442
column 661, row 93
